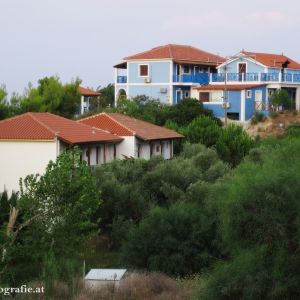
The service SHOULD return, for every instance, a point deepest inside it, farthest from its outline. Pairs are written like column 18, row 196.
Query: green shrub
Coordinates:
column 176, row 240
column 259, row 213
column 257, row 117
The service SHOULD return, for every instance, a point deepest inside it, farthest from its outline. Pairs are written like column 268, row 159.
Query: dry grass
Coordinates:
column 274, row 126
column 136, row 286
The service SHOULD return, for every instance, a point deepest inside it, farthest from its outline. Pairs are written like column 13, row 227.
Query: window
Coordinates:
column 157, row 148
column 143, row 71
column 249, row 93
column 204, row 96
column 186, row 94
column 186, row 69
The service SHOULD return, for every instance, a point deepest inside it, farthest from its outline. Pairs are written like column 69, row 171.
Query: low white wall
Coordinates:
column 22, row 158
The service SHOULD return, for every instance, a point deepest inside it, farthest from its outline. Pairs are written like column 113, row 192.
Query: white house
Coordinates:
column 86, row 96
column 29, row 141
column 140, row 139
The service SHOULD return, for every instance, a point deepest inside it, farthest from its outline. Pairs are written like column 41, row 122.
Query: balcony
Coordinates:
column 121, row 79
column 255, row 77
column 200, row 78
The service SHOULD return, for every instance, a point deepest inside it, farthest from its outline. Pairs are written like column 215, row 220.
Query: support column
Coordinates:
column 243, row 105
column 116, row 82
column 298, row 99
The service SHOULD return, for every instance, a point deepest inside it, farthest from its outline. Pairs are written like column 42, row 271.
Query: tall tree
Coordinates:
column 54, row 213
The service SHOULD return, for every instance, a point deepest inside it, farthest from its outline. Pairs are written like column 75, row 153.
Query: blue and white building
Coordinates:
column 249, row 79
column 167, row 73
column 173, row 72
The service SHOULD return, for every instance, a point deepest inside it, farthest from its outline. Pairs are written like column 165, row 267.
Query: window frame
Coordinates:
column 248, row 94
column 142, row 65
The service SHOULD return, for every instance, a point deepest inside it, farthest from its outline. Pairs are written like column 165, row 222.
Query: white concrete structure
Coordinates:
column 29, row 141
column 97, row 278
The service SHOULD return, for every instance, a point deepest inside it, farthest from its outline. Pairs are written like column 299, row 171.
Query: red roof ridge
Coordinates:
column 107, row 114
column 31, row 114
column 143, row 52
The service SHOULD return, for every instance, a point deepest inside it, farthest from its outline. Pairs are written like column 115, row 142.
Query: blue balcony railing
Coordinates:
column 256, row 77
column 121, row 79
column 200, row 78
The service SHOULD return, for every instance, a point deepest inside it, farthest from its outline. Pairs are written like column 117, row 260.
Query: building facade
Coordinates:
column 29, row 141
column 140, row 139
column 238, row 86
column 167, row 73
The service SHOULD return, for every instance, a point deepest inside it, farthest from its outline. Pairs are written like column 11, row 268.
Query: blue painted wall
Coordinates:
column 183, row 88
column 292, row 71
column 250, row 102
column 234, row 98
column 274, row 70
column 251, row 66
column 152, row 91
column 159, row 72
column 217, row 109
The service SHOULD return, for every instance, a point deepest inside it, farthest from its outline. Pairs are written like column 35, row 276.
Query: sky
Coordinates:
column 85, row 38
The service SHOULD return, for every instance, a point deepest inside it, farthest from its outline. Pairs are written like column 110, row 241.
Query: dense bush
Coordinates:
column 259, row 223
column 203, row 129
column 152, row 110
column 130, row 188
column 175, row 240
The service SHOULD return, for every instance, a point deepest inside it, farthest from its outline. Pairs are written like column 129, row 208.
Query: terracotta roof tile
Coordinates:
column 229, row 87
column 178, row 52
column 88, row 92
column 46, row 126
column 272, row 60
column 127, row 126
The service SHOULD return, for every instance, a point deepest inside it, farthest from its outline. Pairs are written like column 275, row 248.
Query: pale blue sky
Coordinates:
column 85, row 38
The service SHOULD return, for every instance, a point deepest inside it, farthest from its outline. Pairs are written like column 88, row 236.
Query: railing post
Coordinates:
column 210, row 77
column 280, row 77
column 259, row 76
column 243, row 77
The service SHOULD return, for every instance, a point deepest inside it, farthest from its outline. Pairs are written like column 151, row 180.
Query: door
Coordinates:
column 242, row 71
column 258, row 100
column 178, row 95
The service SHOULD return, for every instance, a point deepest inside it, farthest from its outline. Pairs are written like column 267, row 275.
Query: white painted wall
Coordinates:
column 22, row 158
column 166, row 149
column 127, row 147
column 214, row 96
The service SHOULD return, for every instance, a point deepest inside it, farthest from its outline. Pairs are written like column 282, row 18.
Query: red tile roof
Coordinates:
column 229, row 87
column 180, row 53
column 46, row 126
column 272, row 60
column 88, row 92
column 127, row 126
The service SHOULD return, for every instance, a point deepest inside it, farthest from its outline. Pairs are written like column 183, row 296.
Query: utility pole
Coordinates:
column 225, row 95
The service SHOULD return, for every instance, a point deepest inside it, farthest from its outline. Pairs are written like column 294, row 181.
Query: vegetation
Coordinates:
column 48, row 224
column 280, row 100
column 49, row 96
column 259, row 222
column 226, row 207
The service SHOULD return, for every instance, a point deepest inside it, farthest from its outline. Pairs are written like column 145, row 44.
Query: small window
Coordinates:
column 157, row 148
column 204, row 96
column 144, row 70
column 249, row 93
column 186, row 94
column 186, row 69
